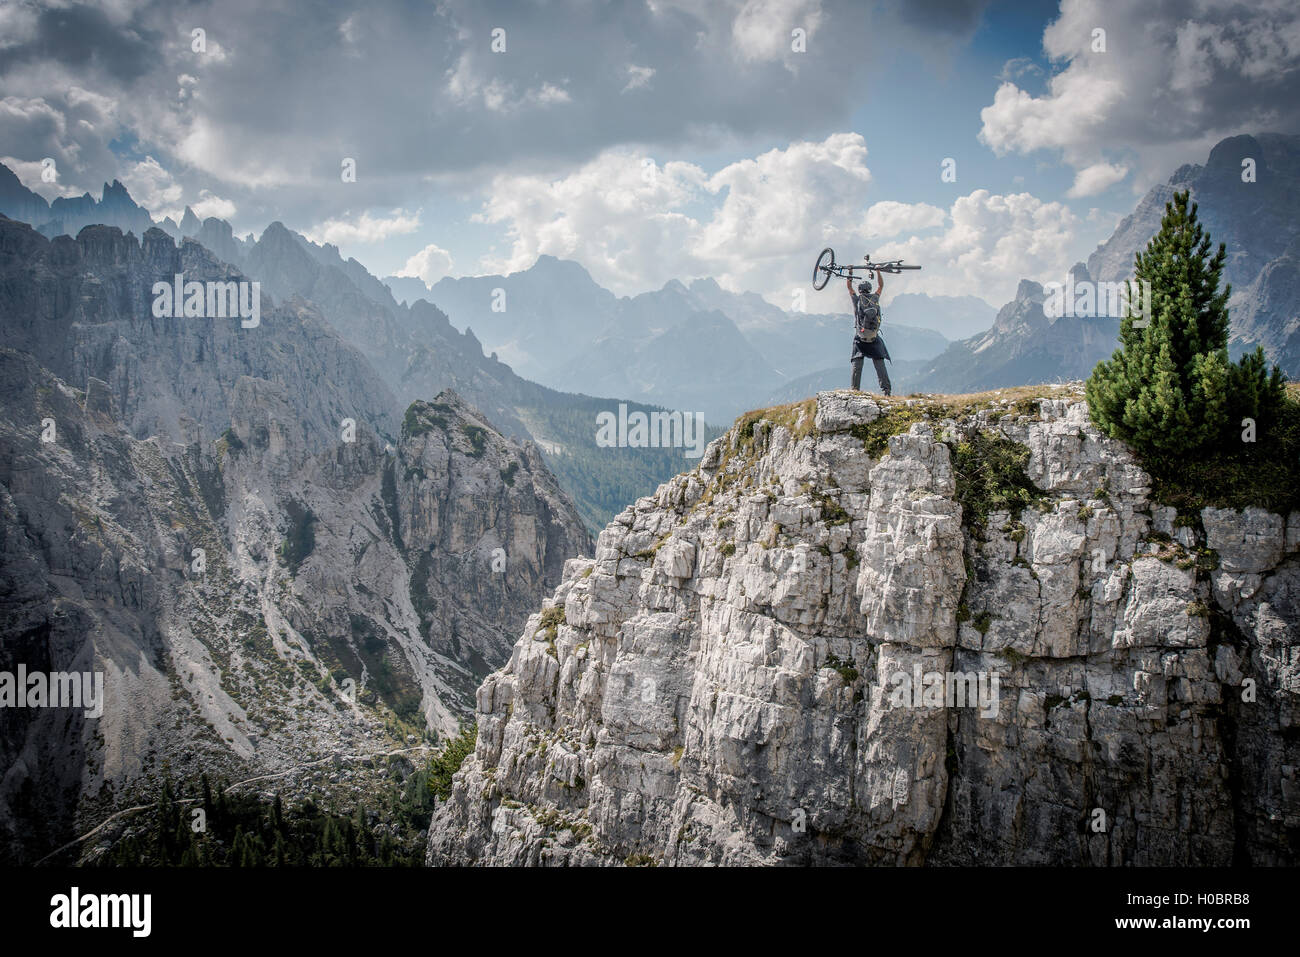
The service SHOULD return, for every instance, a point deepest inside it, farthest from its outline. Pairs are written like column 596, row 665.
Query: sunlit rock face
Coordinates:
column 813, row 650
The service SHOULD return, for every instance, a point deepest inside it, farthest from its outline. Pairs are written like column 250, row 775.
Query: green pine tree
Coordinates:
column 255, row 851
column 220, row 802
column 1167, row 388
column 332, row 851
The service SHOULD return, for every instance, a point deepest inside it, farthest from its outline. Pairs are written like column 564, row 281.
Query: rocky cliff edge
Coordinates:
column 901, row 632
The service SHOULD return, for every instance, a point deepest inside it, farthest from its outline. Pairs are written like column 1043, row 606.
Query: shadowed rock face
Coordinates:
column 345, row 582
column 719, row 685
column 84, row 308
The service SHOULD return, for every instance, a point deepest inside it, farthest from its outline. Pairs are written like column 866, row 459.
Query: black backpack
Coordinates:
column 867, row 315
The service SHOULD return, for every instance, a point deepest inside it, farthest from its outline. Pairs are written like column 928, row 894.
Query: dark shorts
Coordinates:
column 875, row 349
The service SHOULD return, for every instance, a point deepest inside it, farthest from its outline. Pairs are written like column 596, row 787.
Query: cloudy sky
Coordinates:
column 649, row 139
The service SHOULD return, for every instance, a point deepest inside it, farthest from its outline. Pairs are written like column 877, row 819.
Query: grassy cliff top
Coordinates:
column 1234, row 472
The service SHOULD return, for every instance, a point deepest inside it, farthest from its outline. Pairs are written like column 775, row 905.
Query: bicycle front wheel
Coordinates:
column 822, row 271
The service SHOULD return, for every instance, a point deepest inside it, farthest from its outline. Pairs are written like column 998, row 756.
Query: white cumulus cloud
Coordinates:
column 757, row 224
column 153, row 187
column 210, row 205
column 429, row 265
column 1172, row 80
column 1095, row 179
column 889, row 218
column 635, row 224
column 989, row 243
column 364, row 229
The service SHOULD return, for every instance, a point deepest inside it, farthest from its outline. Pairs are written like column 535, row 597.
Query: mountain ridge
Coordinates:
column 239, row 529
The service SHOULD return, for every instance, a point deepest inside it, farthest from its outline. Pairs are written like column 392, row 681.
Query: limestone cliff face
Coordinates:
column 485, row 529
column 741, row 675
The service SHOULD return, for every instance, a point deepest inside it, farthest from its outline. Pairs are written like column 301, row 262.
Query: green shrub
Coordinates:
column 419, row 419
column 549, row 629
column 846, row 669
column 477, row 439
column 233, row 442
column 894, row 420
column 448, row 761
column 991, row 477
column 832, row 512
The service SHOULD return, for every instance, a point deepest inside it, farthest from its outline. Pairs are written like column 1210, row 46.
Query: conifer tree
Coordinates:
column 1166, row 389
column 237, row 853
column 1254, row 392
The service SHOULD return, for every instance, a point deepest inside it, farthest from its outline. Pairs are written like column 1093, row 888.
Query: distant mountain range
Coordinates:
column 551, row 324
column 701, row 348
column 1023, row 346
column 955, row 317
column 695, row 346
column 1259, row 223
column 67, row 216
column 415, row 350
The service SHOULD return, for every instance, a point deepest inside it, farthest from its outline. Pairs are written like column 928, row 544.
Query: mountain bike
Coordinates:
column 827, row 266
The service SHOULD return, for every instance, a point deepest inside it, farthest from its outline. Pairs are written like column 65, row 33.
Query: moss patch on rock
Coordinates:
column 991, row 478
column 895, row 420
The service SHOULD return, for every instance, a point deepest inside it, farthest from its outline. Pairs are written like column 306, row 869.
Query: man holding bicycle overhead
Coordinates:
column 867, row 341
column 866, row 310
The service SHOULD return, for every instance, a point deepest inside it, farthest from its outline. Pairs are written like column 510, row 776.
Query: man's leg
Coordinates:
column 882, row 375
column 857, row 374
